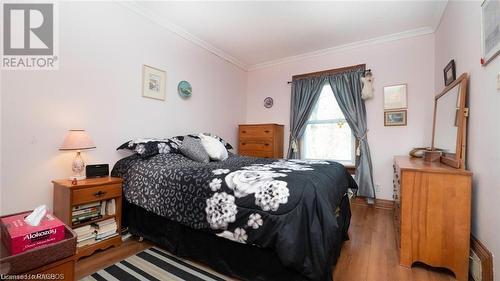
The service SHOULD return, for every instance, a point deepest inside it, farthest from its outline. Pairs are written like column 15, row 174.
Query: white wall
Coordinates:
column 98, row 88
column 458, row 37
column 408, row 61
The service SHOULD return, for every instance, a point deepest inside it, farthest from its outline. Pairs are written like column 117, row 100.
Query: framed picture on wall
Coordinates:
column 449, row 73
column 490, row 30
column 395, row 97
column 395, row 118
column 153, row 82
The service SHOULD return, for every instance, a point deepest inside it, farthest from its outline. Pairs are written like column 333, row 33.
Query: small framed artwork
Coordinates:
column 490, row 30
column 395, row 118
column 153, row 82
column 449, row 73
column 268, row 102
column 395, row 97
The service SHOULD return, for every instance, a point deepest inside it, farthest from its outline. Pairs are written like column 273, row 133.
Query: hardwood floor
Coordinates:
column 103, row 259
column 370, row 255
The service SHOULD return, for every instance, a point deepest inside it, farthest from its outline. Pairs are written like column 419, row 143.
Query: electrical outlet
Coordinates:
column 377, row 188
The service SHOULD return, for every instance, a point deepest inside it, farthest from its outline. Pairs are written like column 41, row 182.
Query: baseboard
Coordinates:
column 485, row 256
column 381, row 204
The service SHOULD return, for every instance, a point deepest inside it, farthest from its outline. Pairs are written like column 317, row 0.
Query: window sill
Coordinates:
column 350, row 168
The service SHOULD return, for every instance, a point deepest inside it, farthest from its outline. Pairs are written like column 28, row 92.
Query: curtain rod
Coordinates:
column 328, row 72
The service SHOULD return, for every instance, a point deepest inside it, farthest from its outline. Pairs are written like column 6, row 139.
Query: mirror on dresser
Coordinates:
column 450, row 123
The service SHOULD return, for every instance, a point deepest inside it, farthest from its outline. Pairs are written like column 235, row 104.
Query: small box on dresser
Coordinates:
column 432, row 214
column 91, row 195
column 261, row 140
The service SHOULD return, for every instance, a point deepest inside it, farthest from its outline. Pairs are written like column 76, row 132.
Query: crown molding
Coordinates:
column 358, row 44
column 153, row 17
column 438, row 17
column 140, row 10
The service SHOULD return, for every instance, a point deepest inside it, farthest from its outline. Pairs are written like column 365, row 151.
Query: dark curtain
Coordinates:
column 305, row 93
column 347, row 90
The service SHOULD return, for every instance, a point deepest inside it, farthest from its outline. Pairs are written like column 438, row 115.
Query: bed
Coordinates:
column 252, row 218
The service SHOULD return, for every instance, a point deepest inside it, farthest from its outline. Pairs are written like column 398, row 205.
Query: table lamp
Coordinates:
column 77, row 140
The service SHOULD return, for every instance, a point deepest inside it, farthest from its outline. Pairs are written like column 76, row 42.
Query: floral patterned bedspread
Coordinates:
column 289, row 206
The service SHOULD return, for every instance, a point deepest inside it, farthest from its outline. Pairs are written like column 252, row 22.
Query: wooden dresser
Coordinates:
column 432, row 214
column 261, row 140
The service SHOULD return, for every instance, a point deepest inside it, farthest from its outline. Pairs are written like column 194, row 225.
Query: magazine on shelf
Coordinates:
column 85, row 206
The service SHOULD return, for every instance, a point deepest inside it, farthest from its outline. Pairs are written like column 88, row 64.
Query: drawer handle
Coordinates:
column 99, row 193
column 266, row 144
column 267, row 131
column 243, row 132
column 243, row 143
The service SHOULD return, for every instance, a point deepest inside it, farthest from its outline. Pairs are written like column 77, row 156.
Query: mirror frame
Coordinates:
column 458, row 160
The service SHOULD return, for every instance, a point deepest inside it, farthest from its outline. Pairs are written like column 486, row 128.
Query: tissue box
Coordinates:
column 19, row 236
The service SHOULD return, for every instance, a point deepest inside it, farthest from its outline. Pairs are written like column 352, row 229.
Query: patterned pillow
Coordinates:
column 151, row 147
column 147, row 147
column 226, row 144
column 193, row 149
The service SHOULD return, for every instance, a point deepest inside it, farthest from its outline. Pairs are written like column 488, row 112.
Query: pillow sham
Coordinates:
column 147, row 147
column 151, row 146
column 215, row 149
column 194, row 150
column 225, row 143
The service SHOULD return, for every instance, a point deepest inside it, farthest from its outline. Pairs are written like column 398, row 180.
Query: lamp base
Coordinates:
column 78, row 166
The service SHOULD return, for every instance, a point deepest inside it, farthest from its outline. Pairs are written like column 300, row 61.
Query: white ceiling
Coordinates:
column 252, row 34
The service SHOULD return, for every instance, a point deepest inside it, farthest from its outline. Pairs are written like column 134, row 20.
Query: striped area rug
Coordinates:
column 154, row 264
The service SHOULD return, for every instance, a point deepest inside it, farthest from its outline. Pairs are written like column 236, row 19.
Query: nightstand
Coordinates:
column 73, row 202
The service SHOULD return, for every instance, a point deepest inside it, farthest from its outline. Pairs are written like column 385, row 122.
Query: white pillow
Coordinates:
column 214, row 148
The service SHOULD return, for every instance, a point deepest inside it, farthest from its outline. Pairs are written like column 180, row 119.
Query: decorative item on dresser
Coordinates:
column 432, row 213
column 261, row 140
column 93, row 209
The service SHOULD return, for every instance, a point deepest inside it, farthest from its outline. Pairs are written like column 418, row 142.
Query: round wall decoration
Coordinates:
column 268, row 102
column 184, row 88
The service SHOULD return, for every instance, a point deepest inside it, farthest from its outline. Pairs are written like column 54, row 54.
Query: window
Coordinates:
column 327, row 135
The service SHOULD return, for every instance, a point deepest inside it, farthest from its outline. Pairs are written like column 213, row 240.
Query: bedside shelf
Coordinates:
column 103, row 218
column 88, row 250
column 84, row 192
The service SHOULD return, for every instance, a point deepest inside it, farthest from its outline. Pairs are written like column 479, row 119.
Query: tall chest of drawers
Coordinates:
column 261, row 140
column 432, row 213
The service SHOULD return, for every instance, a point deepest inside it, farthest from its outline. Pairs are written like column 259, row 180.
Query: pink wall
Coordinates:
column 98, row 88
column 408, row 61
column 458, row 37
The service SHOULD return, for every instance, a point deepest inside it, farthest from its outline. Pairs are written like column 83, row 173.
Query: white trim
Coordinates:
column 368, row 42
column 140, row 10
column 137, row 8
column 439, row 14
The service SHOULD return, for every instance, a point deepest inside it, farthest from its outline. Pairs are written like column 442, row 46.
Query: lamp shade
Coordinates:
column 77, row 140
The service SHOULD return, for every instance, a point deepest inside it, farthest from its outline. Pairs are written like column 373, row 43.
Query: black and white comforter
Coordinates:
column 287, row 205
